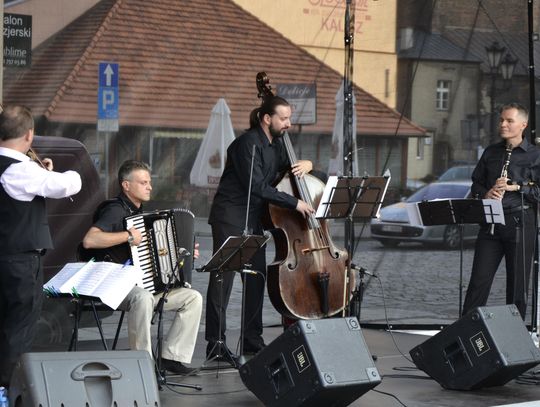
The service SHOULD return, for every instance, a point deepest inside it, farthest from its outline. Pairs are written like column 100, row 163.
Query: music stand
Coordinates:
column 158, row 312
column 459, row 212
column 355, row 197
column 352, row 198
column 234, row 255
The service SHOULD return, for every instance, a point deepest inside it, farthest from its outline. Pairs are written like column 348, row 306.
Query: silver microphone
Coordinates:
column 183, row 252
column 362, row 270
column 352, row 152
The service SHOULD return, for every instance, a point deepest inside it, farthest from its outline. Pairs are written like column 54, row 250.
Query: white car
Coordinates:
column 458, row 173
column 393, row 225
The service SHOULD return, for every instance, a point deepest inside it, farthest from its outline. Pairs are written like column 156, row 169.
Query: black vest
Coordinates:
column 23, row 225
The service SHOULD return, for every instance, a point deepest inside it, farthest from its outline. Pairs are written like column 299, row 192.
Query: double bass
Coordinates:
column 308, row 277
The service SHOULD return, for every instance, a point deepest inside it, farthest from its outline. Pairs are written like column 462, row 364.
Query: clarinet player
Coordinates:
column 508, row 171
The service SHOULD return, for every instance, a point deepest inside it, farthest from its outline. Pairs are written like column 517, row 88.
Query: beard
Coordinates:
column 275, row 132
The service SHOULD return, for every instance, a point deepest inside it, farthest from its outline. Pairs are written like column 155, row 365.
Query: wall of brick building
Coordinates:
column 502, row 15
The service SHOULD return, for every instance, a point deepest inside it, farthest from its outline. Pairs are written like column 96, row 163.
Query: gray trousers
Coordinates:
column 179, row 342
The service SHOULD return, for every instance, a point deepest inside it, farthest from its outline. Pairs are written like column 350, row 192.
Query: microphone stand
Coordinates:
column 535, row 274
column 244, row 271
column 358, row 294
column 158, row 312
column 521, row 225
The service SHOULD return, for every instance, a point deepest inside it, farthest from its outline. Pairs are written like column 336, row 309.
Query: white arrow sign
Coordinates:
column 108, row 74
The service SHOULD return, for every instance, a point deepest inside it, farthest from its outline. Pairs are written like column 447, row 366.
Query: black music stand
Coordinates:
column 460, row 212
column 234, row 255
column 353, row 198
column 158, row 311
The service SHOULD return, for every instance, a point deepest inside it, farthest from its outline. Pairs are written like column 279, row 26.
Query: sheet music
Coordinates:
column 110, row 282
column 494, row 211
column 327, row 195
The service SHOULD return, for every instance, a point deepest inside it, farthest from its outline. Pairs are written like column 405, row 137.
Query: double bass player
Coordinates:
column 227, row 218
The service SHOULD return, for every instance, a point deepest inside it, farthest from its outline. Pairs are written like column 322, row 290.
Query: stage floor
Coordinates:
column 402, row 384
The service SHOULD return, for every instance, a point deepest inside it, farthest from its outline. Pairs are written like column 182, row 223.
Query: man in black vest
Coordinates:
column 24, row 233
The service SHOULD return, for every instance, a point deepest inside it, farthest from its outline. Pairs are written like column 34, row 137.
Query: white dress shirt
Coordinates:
column 27, row 179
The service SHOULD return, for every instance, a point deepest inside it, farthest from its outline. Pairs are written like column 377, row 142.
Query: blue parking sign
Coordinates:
column 108, row 74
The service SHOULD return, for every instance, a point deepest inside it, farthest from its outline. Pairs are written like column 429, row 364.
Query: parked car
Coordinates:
column 394, row 227
column 457, row 173
column 414, row 184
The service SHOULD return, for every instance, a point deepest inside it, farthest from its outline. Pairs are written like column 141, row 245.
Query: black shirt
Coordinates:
column 270, row 159
column 524, row 169
column 109, row 217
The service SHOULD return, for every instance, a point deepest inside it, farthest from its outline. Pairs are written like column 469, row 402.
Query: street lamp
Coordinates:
column 506, row 67
column 508, row 64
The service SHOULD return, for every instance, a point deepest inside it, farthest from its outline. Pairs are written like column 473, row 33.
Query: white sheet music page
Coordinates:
column 326, row 197
column 110, row 282
column 493, row 210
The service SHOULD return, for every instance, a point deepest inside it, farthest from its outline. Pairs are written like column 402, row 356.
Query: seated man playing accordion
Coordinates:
column 108, row 239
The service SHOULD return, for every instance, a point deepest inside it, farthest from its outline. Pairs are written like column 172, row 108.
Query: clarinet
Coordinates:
column 504, row 173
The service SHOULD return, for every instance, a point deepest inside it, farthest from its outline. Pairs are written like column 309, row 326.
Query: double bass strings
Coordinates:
column 305, row 195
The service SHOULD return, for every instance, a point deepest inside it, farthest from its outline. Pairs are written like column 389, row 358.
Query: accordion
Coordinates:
column 166, row 248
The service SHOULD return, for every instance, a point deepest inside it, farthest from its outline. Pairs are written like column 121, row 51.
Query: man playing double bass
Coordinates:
column 227, row 217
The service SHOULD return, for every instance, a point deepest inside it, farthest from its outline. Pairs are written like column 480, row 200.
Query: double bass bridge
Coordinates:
column 314, row 249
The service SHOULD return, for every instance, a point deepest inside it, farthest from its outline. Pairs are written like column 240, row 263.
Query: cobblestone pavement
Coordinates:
column 415, row 285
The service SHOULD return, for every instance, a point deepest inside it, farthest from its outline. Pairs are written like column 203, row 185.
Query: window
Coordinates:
column 443, row 95
column 420, row 144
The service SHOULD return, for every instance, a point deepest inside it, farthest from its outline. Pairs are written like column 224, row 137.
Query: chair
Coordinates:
column 83, row 304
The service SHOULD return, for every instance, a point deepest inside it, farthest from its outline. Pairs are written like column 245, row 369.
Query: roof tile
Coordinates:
column 177, row 58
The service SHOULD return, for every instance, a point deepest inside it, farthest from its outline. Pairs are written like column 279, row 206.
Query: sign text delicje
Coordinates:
column 17, row 40
column 303, row 100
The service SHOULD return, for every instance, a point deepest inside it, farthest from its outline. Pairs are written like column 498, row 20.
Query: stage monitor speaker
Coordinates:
column 92, row 379
column 487, row 347
column 313, row 363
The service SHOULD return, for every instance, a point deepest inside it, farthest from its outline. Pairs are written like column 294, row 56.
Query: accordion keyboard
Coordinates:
column 141, row 255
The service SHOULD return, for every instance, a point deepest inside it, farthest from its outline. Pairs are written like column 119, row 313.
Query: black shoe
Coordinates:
column 175, row 367
column 220, row 353
column 251, row 348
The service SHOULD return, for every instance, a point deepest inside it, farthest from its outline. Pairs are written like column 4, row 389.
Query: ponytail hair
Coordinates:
column 268, row 107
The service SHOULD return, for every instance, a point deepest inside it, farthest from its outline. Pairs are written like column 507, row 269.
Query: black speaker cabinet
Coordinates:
column 313, row 363
column 107, row 378
column 487, row 347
